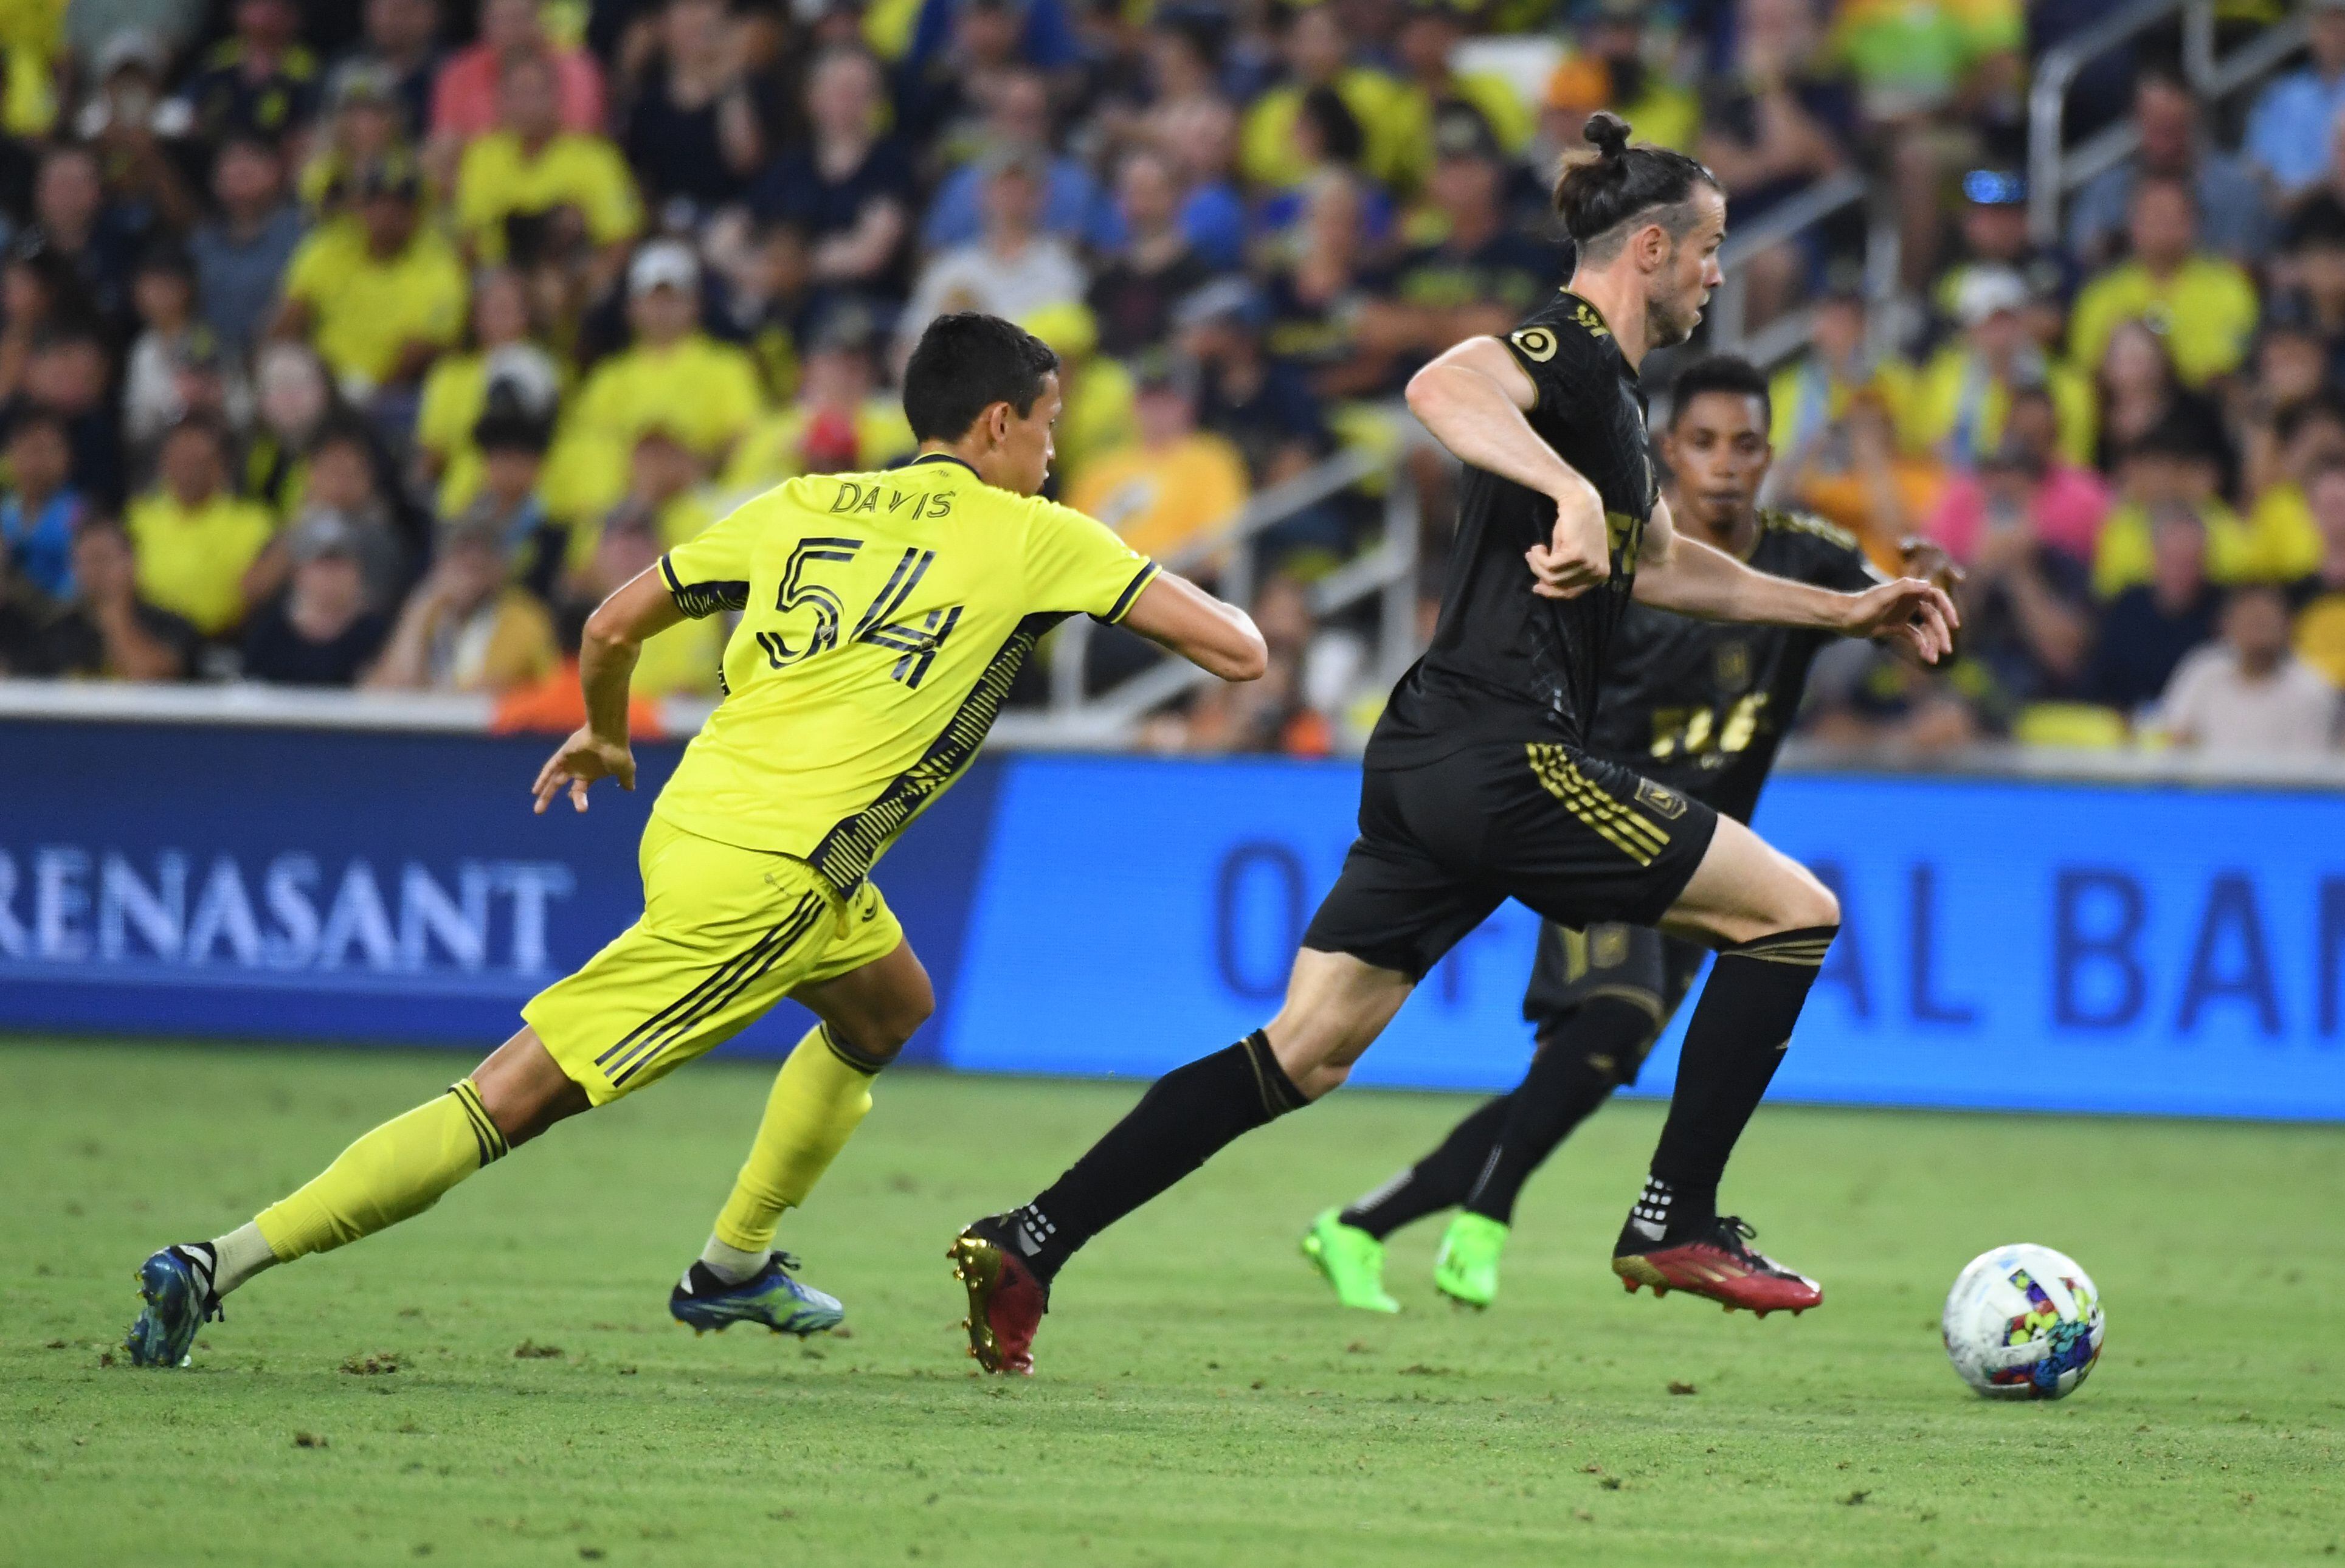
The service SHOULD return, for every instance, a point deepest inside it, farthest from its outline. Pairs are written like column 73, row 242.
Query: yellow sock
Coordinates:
column 818, row 1099
column 393, row 1173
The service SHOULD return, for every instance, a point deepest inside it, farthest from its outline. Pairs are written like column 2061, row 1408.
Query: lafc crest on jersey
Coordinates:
column 1734, row 668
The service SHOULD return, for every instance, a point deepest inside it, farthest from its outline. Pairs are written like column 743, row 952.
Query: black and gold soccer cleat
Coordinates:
column 1006, row 1299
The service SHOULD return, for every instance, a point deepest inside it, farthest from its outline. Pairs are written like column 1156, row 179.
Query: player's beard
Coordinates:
column 1669, row 322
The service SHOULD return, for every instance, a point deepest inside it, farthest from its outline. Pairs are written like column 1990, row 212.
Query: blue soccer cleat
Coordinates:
column 176, row 1283
column 701, row 1301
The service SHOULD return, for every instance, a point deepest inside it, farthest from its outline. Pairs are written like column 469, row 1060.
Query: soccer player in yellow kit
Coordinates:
column 883, row 617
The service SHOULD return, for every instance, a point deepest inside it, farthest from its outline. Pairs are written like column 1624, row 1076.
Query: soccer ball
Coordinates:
column 2024, row 1322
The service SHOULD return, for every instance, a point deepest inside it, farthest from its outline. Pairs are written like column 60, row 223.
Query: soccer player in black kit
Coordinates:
column 1477, row 786
column 1697, row 706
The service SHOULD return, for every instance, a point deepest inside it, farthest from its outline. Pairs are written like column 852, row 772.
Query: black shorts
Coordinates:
column 1633, row 964
column 1575, row 839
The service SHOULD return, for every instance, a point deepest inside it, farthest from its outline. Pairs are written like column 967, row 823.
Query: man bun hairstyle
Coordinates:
column 964, row 364
column 1602, row 191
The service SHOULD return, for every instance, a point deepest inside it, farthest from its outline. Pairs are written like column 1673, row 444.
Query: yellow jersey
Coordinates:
column 2206, row 313
column 2271, row 544
column 773, row 450
column 367, row 309
column 191, row 560
column 1162, row 500
column 883, row 618
column 499, row 178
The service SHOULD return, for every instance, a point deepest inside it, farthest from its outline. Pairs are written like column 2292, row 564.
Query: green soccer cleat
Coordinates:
column 1467, row 1268
column 1353, row 1261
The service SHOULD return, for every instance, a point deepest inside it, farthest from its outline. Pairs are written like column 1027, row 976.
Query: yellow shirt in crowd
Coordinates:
column 1806, row 397
column 366, row 309
column 1267, row 150
column 773, row 450
column 1099, row 415
column 706, row 393
column 1492, row 96
column 2321, row 635
column 2206, row 313
column 687, row 517
column 1160, row 501
column 192, row 560
column 2271, row 544
column 454, row 393
column 497, row 178
column 1936, row 407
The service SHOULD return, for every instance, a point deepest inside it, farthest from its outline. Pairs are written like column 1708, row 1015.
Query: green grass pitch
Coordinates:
column 1200, row 1401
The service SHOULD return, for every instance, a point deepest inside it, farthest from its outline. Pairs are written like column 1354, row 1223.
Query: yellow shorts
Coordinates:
column 725, row 933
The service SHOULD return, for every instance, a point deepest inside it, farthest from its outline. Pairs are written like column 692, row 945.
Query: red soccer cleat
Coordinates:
column 1719, row 1264
column 1006, row 1301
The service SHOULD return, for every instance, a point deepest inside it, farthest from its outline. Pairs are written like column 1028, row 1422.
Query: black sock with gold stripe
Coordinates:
column 1186, row 1117
column 1574, row 1073
column 1732, row 1046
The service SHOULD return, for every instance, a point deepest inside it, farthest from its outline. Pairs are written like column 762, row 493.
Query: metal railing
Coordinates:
column 1785, row 337
column 2055, row 168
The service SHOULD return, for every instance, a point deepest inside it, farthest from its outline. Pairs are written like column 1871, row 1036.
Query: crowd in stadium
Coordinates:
column 371, row 345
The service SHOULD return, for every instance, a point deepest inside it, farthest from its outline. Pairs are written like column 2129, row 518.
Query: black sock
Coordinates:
column 1576, row 1070
column 1438, row 1181
column 1186, row 1117
column 1732, row 1047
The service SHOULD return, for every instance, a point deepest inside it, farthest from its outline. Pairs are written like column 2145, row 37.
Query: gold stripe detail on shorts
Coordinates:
column 1798, row 948
column 1631, row 832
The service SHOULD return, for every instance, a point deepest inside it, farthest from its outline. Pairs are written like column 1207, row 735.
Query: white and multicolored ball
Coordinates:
column 2024, row 1322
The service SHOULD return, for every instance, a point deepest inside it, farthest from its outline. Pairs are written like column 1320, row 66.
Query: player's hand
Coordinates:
column 583, row 758
column 1928, row 560
column 1578, row 555
column 1908, row 612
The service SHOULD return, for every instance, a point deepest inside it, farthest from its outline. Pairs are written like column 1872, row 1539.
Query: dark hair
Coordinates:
column 209, row 426
column 344, row 429
column 965, row 363
column 2320, row 221
column 1340, row 136
column 38, row 416
column 2181, row 434
column 2290, row 422
column 1601, row 191
column 1719, row 373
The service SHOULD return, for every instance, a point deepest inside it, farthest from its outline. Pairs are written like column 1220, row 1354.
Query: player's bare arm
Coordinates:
column 614, row 635
column 1675, row 573
column 1218, row 638
column 1474, row 399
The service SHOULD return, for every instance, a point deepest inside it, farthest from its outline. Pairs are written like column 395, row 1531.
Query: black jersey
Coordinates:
column 1701, row 706
column 1506, row 664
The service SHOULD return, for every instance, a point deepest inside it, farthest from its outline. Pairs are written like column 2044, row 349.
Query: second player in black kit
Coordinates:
column 1480, row 785
column 1698, row 706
